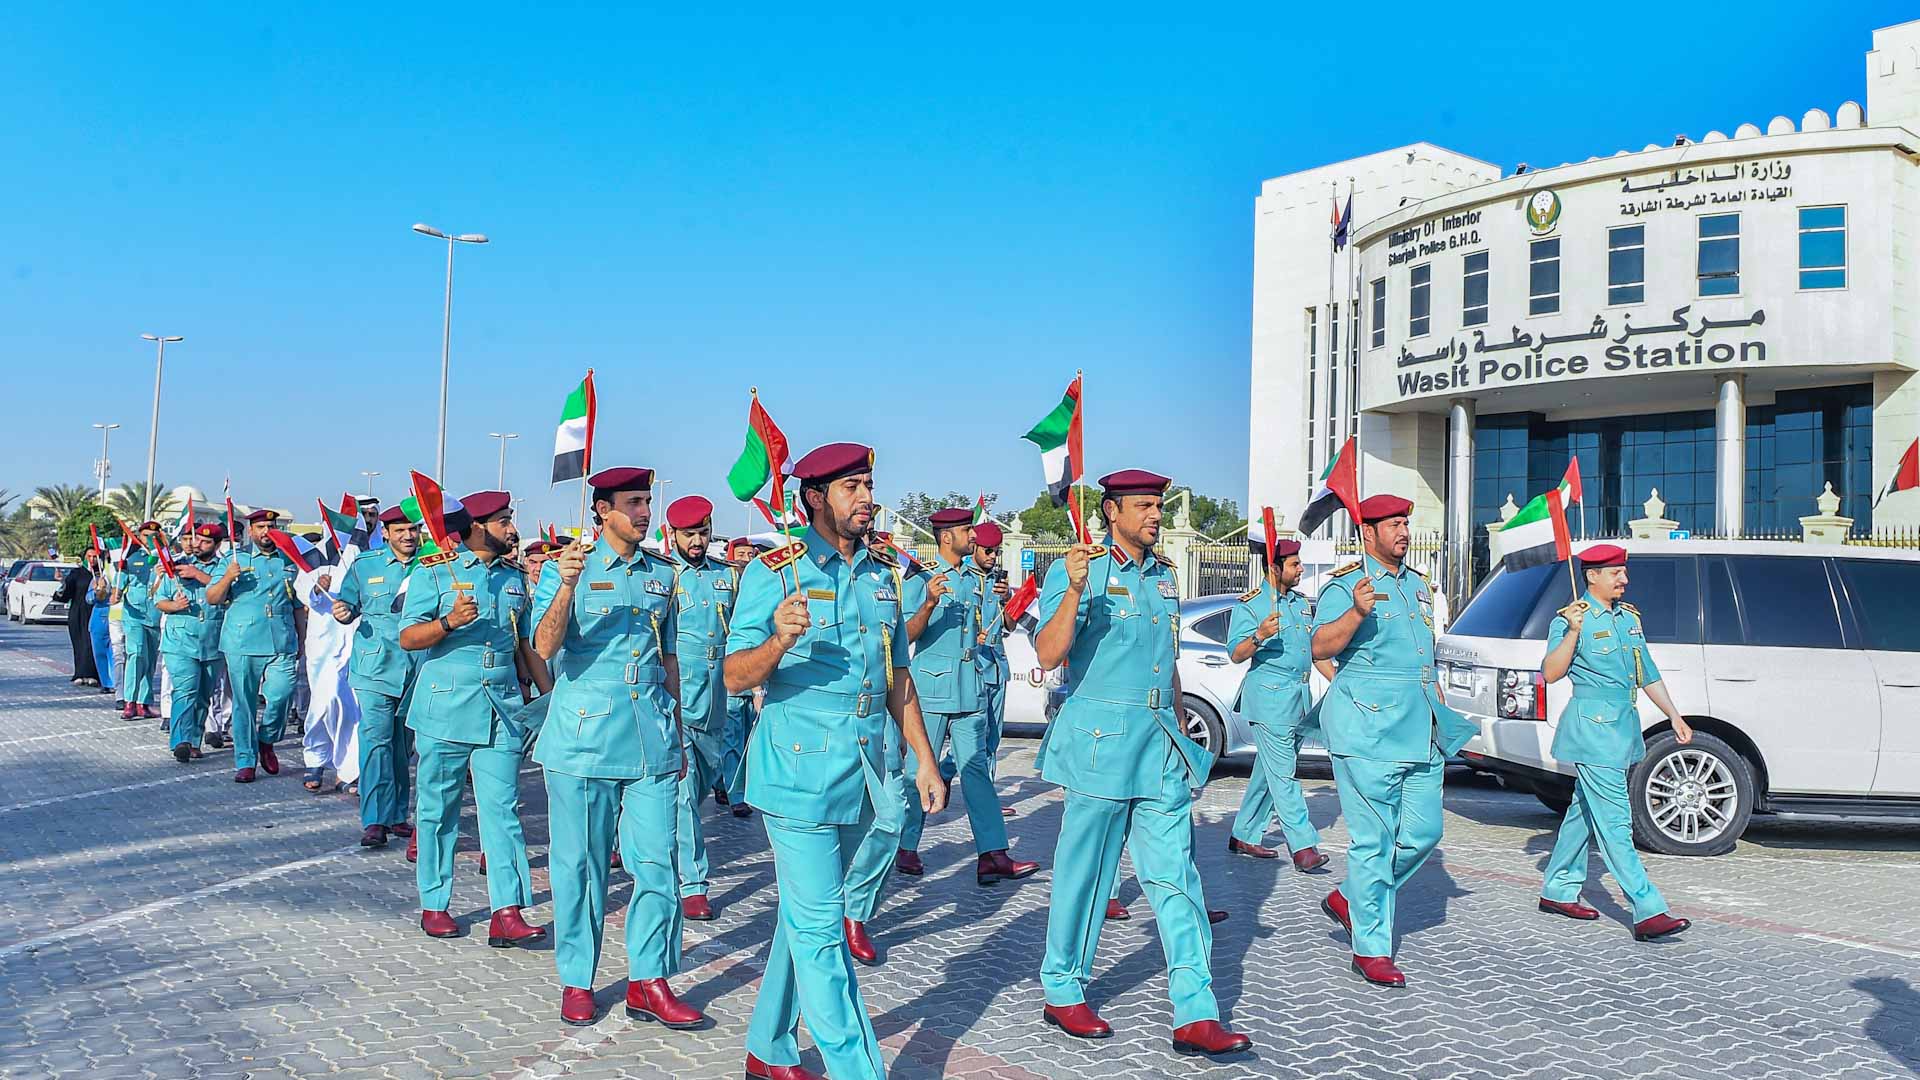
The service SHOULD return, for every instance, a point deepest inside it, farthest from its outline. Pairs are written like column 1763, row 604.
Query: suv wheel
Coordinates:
column 1202, row 725
column 1690, row 800
column 1557, row 797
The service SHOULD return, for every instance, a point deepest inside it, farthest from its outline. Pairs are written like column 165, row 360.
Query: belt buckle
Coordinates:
column 632, row 674
column 966, row 656
column 1153, row 698
column 486, row 659
column 714, row 652
column 862, row 705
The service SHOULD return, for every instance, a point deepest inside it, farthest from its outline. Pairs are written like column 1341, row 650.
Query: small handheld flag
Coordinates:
column 1062, row 459
column 1537, row 535
column 1906, row 475
column 1339, row 486
column 764, row 457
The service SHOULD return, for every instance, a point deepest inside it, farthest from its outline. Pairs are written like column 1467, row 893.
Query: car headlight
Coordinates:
column 1522, row 695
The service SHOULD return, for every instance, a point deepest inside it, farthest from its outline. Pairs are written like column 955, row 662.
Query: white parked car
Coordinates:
column 30, row 596
column 1798, row 666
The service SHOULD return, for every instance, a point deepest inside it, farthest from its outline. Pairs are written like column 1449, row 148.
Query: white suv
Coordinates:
column 1797, row 664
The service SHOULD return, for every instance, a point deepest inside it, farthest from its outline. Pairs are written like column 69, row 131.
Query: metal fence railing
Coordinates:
column 1217, row 567
column 1423, row 549
column 1889, row 537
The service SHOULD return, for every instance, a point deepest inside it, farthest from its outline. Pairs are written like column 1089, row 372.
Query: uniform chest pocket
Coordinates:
column 591, row 709
column 1593, row 715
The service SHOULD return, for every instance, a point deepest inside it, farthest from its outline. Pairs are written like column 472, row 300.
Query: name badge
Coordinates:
column 1168, row 591
column 463, row 585
column 600, row 586
column 819, row 594
column 1602, row 634
column 376, row 580
column 1117, row 590
column 658, row 588
column 724, row 584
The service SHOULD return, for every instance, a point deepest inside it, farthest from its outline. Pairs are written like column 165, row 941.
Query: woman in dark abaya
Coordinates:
column 76, row 591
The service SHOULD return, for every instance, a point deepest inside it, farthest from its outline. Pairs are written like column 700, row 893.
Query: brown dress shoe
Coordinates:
column 244, row 776
column 1078, row 1021
column 696, row 908
column 1661, row 925
column 742, row 810
column 1208, row 1037
column 183, row 753
column 1571, row 909
column 1379, row 970
column 374, row 836
column 1215, row 916
column 760, row 1070
column 401, row 828
column 413, row 848
column 1309, row 860
column 908, row 863
column 269, row 760
column 650, row 999
column 1117, row 911
column 997, row 866
column 614, row 863
column 439, row 924
column 858, row 943
column 1335, row 906
column 576, row 1006
column 1235, row 846
column 508, row 929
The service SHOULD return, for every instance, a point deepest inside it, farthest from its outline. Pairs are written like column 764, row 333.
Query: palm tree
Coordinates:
column 129, row 501
column 56, row 501
column 23, row 536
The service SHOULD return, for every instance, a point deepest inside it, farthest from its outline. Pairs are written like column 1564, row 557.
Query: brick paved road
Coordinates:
column 158, row 920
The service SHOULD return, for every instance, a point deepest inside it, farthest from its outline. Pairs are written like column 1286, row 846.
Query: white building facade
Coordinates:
column 1728, row 319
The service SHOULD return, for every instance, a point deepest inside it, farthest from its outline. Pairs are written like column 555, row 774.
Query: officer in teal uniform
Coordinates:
column 867, row 872
column 260, row 638
column 1599, row 642
column 740, row 709
column 468, row 615
column 942, row 604
column 1112, row 615
column 990, row 653
column 1273, row 627
column 613, row 750
column 190, row 641
column 818, row 624
column 381, row 674
column 703, row 591
column 139, row 576
column 1388, row 729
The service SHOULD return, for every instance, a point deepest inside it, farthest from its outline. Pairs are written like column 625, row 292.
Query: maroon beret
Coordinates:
column 689, row 512
column 833, row 461
column 1600, row 555
column 987, row 534
column 1284, row 548
column 482, row 505
column 1133, row 482
column 537, row 547
column 949, row 517
column 739, row 542
column 622, row 478
column 263, row 514
column 145, row 525
column 1382, row 507
column 212, row 532
column 392, row 515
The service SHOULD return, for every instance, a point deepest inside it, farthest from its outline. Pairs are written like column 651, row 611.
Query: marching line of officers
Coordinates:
column 630, row 676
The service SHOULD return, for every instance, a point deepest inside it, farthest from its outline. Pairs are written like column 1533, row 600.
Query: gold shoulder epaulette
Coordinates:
column 1577, row 605
column 782, row 557
column 1162, row 559
column 1249, row 594
column 437, row 558
column 516, row 566
column 883, row 556
column 1626, row 605
column 1347, row 569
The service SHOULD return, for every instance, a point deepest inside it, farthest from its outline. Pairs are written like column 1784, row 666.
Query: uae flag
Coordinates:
column 790, row 521
column 1907, row 476
column 762, row 459
column 1019, row 606
column 979, row 509
column 344, row 530
column 573, row 442
column 1058, row 437
column 1339, row 486
column 1537, row 535
column 427, row 507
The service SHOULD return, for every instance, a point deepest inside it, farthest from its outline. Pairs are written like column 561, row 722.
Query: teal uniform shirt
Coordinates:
column 139, row 577
column 611, row 716
column 705, row 594
column 816, row 753
column 1275, row 690
column 371, row 587
column 260, row 603
column 1121, row 661
column 990, row 658
column 945, row 672
column 469, row 677
column 1384, row 704
column 1601, row 725
column 194, row 633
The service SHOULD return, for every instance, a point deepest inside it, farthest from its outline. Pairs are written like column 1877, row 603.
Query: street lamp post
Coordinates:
column 104, row 467
column 446, row 338
column 369, row 474
column 501, row 484
column 153, row 429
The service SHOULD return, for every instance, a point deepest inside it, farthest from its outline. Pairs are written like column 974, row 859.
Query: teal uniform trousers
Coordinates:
column 582, row 813
column 140, row 621
column 496, row 802
column 190, row 648
column 703, row 596
column 733, row 746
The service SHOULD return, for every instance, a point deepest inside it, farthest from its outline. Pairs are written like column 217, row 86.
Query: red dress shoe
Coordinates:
column 1117, row 911
column 401, row 828
column 130, row 712
column 243, row 776
column 1215, row 915
column 1661, row 925
column 614, row 863
column 149, row 712
column 1208, row 1037
column 1007, row 811
column 760, row 1070
column 508, row 929
column 483, row 862
column 858, row 943
column 1235, row 846
column 413, row 848
column 908, row 863
column 650, row 999
column 1077, row 1021
column 1335, row 905
column 269, row 760
column 374, row 836
column 576, row 1006
column 996, row 866
column 1379, row 971
column 1309, row 859
column 439, row 924
column 1572, row 910
column 696, row 908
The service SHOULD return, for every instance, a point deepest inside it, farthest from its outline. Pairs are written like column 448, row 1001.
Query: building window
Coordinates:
column 1420, row 301
column 1379, row 313
column 1627, row 264
column 1823, row 247
column 1313, row 389
column 1473, row 290
column 1543, row 276
column 1720, row 255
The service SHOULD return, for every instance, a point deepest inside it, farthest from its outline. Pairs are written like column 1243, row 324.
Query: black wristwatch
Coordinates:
column 445, row 625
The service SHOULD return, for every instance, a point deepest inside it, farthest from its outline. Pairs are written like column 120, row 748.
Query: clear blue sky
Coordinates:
column 907, row 230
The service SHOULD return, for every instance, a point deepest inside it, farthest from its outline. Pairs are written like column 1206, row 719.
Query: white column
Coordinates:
column 1730, row 455
column 1460, row 422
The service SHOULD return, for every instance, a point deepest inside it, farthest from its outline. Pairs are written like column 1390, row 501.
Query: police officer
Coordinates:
column 140, row 620
column 1387, row 726
column 382, row 675
column 867, row 875
column 259, row 637
column 741, row 709
column 703, row 592
column 942, row 604
column 819, row 625
column 1598, row 642
column 467, row 614
column 612, row 750
column 990, row 652
column 190, row 642
column 1112, row 616
column 1272, row 626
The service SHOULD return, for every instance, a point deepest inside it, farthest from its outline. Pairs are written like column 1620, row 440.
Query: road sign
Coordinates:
column 1680, row 534
column 1026, row 559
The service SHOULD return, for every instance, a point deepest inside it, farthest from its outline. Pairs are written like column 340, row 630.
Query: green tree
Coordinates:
column 1215, row 517
column 130, row 501
column 1050, row 524
column 56, row 501
column 918, row 506
column 74, row 534
column 23, row 536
